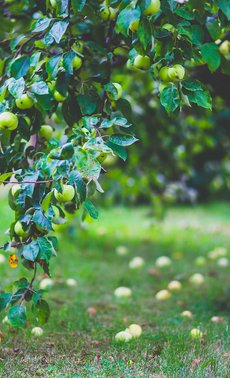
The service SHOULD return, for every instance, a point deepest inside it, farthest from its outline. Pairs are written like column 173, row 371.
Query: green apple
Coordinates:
column 18, row 229
column 176, row 73
column 24, row 102
column 107, row 13
column 66, row 195
column 58, row 96
column 78, row 46
column 169, row 27
column 15, row 189
column 8, row 121
column 224, row 48
column 56, row 213
column 46, row 132
column 120, row 51
column 119, row 92
column 134, row 25
column 142, row 62
column 163, row 74
column 101, row 157
column 77, row 62
column 153, row 8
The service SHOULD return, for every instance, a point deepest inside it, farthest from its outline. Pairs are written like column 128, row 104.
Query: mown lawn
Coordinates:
column 77, row 344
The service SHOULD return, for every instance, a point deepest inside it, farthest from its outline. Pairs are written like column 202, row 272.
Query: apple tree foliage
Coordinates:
column 57, row 59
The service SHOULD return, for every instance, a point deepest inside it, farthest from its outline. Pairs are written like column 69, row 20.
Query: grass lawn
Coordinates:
column 77, row 344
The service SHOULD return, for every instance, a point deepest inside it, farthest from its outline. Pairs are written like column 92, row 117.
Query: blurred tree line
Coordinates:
column 184, row 157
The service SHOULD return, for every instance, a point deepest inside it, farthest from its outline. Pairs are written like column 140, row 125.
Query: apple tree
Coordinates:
column 62, row 114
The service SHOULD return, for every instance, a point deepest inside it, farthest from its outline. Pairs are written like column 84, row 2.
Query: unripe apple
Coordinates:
column 169, row 27
column 135, row 330
column 120, row 51
column 196, row 333
column 108, row 13
column 122, row 250
column 136, row 263
column 142, row 62
column 19, row 229
column 163, row 261
column 123, row 292
column 163, row 74
column 153, row 8
column 78, row 46
column 66, row 195
column 174, row 285
column 58, row 96
column 176, row 73
column 163, row 295
column 77, row 62
column 46, row 283
column 15, row 189
column 224, row 48
column 118, row 94
column 186, row 314
column 24, row 102
column 71, row 282
column 123, row 336
column 8, row 121
column 197, row 279
column 2, row 259
column 56, row 213
column 46, row 132
column 134, row 25
column 37, row 331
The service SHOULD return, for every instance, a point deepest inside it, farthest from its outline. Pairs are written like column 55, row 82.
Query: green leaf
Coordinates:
column 170, row 98
column 16, row 87
column 40, row 88
column 75, row 178
column 30, row 251
column 58, row 29
column 211, row 55
column 118, row 150
column 42, row 223
column 17, row 316
column 4, row 300
column 52, row 66
column 91, row 209
column 20, row 67
column 192, row 85
column 88, row 102
column 144, row 33
column 123, row 140
column 78, row 5
column 68, row 62
column 41, row 24
column 42, row 311
column 5, row 176
column 225, row 7
column 46, row 249
column 125, row 19
column 201, row 98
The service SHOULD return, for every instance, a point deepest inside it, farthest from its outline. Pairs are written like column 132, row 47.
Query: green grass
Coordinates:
column 76, row 344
